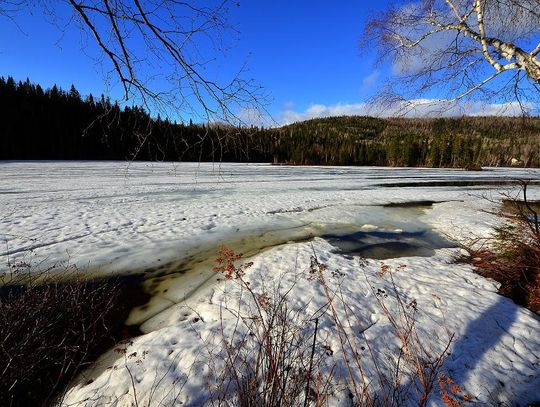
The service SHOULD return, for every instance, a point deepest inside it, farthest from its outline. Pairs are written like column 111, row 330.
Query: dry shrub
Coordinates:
column 513, row 257
column 451, row 394
column 409, row 379
column 268, row 358
column 50, row 330
column 272, row 355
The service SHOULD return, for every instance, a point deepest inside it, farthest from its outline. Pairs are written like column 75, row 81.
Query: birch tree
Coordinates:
column 452, row 51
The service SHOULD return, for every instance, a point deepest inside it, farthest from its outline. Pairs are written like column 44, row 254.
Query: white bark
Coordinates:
column 463, row 45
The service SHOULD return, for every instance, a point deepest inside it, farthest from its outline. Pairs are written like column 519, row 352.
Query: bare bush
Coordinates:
column 512, row 256
column 268, row 356
column 272, row 355
column 50, row 330
column 411, row 376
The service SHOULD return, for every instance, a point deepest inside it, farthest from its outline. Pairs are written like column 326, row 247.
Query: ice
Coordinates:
column 115, row 216
column 112, row 217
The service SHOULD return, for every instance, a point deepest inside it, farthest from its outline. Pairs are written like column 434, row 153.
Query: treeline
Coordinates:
column 54, row 124
column 443, row 142
column 57, row 124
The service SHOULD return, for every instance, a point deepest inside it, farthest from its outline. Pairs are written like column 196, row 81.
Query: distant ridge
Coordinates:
column 464, row 142
column 53, row 124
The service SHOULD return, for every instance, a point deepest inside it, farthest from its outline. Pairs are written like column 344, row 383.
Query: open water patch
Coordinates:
column 412, row 204
column 381, row 244
column 378, row 232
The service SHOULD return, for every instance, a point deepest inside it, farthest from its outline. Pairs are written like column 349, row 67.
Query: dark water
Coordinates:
column 388, row 244
column 455, row 183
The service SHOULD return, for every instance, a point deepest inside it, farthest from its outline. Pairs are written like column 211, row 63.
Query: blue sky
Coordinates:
column 302, row 52
column 305, row 54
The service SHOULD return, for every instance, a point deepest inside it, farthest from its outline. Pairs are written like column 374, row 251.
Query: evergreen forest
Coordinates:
column 54, row 124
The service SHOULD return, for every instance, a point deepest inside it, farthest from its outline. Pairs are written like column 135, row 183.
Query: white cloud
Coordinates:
column 410, row 108
column 255, row 117
column 369, row 80
column 443, row 108
column 289, row 105
column 319, row 110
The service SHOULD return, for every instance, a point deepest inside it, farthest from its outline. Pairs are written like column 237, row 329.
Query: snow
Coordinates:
column 112, row 217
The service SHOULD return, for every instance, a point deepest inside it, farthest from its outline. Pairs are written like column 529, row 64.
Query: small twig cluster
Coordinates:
column 273, row 355
column 225, row 264
column 451, row 393
column 268, row 357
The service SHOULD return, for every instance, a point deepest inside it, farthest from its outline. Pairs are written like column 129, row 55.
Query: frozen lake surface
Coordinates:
column 120, row 216
column 168, row 219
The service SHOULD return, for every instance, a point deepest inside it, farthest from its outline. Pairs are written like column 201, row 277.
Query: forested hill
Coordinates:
column 56, row 124
column 444, row 142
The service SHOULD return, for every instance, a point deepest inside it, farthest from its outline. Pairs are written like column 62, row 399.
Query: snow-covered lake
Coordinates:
column 168, row 219
column 120, row 216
